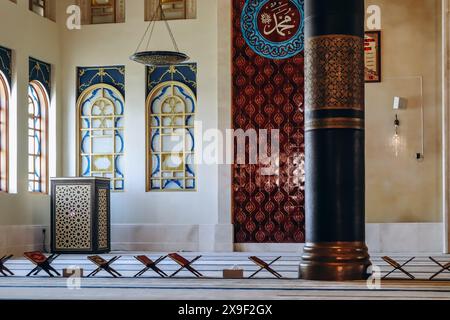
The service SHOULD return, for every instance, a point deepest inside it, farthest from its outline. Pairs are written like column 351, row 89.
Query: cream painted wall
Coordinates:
column 28, row 34
column 112, row 44
column 401, row 189
column 398, row 189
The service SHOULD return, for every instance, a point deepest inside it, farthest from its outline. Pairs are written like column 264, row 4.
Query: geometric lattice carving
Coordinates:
column 73, row 217
column 80, row 215
column 103, row 218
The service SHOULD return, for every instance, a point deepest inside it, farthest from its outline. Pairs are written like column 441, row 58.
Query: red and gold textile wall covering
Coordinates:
column 267, row 94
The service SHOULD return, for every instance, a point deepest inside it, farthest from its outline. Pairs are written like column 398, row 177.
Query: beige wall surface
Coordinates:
column 113, row 44
column 28, row 34
column 400, row 188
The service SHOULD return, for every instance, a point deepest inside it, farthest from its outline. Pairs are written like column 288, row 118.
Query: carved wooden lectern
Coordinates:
column 80, row 221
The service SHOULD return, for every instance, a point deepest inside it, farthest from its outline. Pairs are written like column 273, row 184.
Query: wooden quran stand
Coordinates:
column 445, row 267
column 42, row 263
column 185, row 264
column 102, row 264
column 264, row 266
column 150, row 264
column 398, row 266
column 4, row 270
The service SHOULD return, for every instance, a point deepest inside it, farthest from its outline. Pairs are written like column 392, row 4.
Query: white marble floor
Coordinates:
column 213, row 287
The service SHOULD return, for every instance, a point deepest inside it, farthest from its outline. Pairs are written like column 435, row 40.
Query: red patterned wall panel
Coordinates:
column 268, row 94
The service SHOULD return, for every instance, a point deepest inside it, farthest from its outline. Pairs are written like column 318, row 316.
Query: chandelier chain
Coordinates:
column 152, row 24
column 151, row 34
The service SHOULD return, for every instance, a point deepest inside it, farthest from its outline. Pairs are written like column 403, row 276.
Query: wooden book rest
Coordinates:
column 4, row 270
column 102, row 264
column 264, row 266
column 150, row 264
column 445, row 267
column 398, row 266
column 42, row 263
column 185, row 264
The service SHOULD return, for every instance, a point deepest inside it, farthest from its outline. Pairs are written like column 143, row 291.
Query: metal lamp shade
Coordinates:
column 157, row 58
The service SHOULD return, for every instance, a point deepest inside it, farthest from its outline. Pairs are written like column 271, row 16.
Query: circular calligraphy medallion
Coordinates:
column 274, row 28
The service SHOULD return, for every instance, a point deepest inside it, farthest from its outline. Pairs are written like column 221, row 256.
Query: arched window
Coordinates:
column 170, row 138
column 4, row 104
column 38, row 103
column 101, row 129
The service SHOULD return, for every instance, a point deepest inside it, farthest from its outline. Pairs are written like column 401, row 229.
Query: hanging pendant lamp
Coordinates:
column 158, row 58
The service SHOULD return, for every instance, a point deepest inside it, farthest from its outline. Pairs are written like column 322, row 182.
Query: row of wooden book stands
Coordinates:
column 44, row 263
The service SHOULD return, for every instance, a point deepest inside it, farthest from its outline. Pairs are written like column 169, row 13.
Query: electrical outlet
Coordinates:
column 44, row 238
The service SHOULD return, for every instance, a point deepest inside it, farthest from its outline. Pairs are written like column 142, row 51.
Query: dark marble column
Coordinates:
column 334, row 136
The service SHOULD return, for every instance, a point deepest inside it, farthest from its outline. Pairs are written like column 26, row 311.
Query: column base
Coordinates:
column 335, row 261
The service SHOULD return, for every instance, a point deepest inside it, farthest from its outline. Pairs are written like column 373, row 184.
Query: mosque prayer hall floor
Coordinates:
column 212, row 287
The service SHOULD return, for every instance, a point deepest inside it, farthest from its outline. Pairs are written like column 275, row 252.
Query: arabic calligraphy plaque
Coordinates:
column 274, row 28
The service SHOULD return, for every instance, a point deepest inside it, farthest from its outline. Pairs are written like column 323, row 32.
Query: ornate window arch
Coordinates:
column 170, row 108
column 38, row 104
column 101, row 134
column 4, row 108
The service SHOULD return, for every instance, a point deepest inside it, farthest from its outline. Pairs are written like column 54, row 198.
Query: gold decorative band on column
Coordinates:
column 335, row 261
column 334, row 72
column 334, row 123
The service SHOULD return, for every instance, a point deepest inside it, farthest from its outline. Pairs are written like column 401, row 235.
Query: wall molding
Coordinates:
column 414, row 238
column 163, row 237
column 380, row 237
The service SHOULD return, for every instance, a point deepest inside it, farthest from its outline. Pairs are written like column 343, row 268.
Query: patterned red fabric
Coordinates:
column 267, row 94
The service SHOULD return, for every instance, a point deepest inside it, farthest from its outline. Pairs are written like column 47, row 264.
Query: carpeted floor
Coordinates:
column 185, row 286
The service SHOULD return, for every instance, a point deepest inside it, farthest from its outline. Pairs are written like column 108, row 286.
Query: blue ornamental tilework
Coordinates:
column 171, row 109
column 40, row 71
column 112, row 75
column 6, row 63
column 184, row 73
